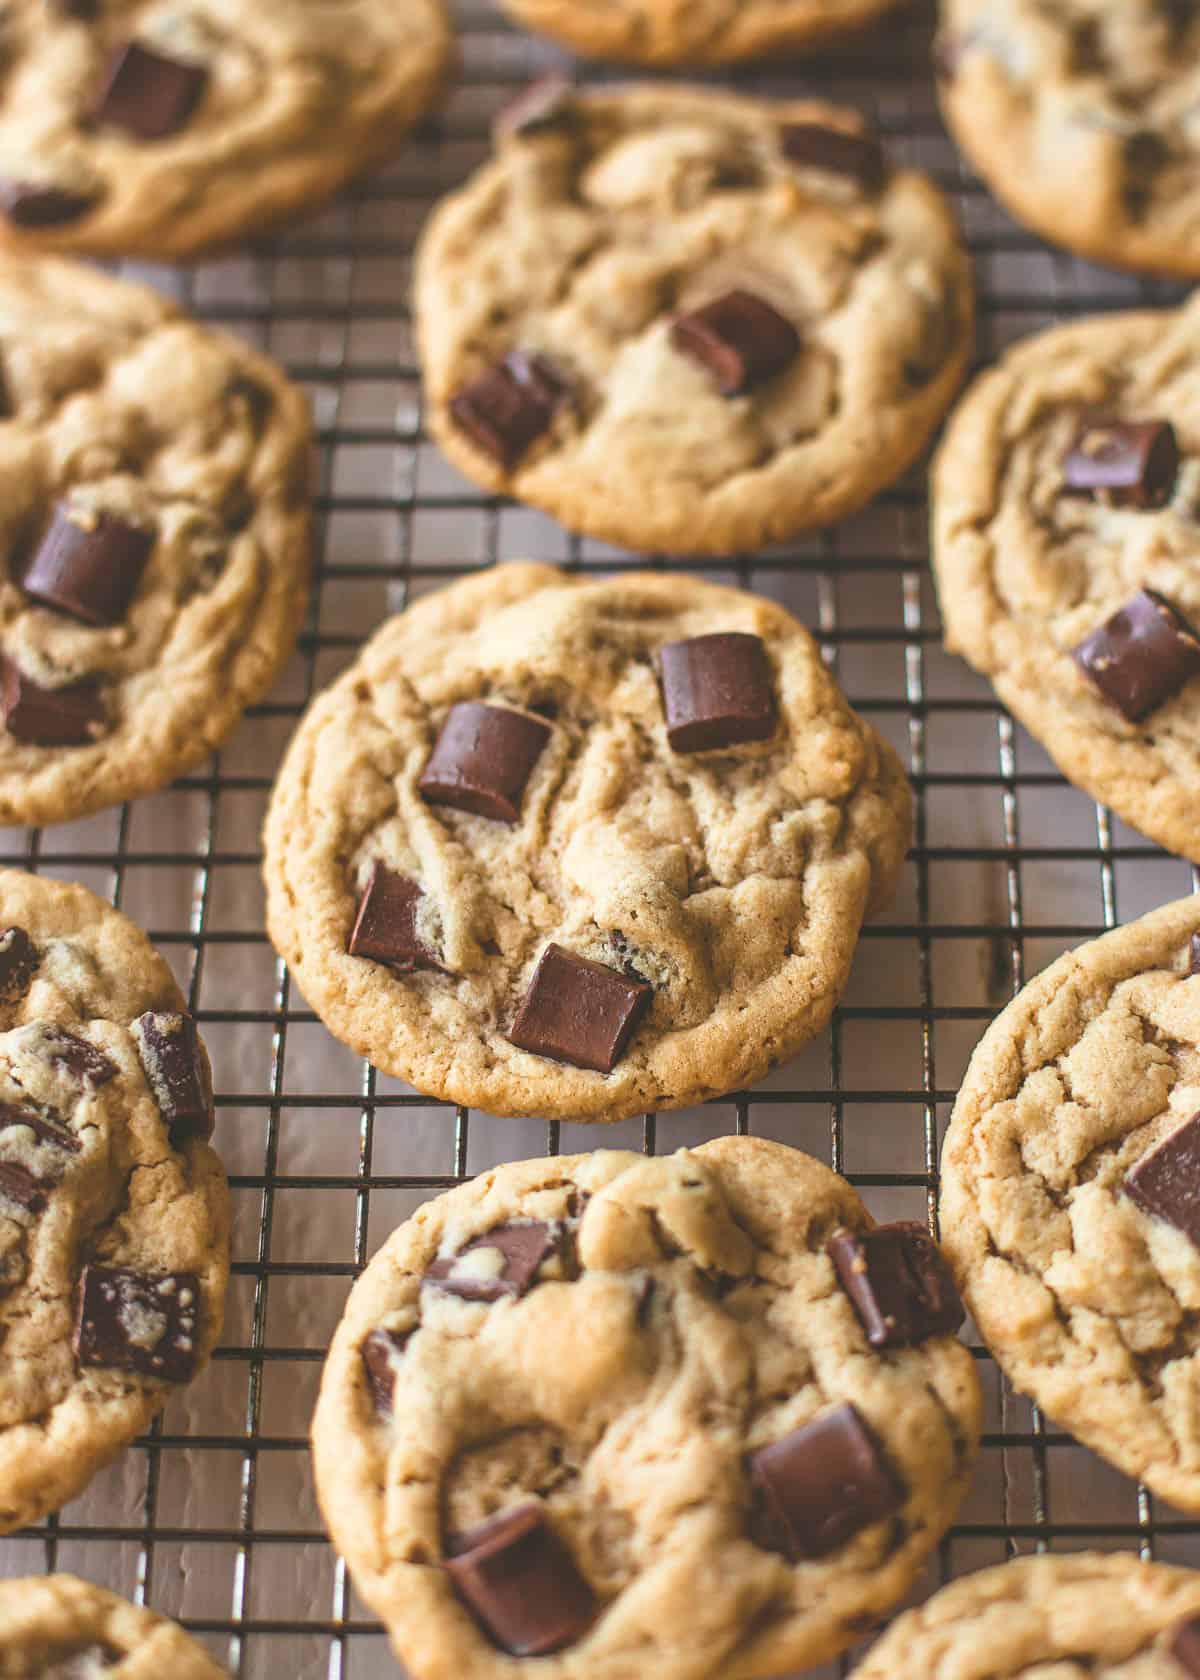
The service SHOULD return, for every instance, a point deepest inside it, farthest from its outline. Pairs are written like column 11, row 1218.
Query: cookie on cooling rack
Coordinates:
column 160, row 130
column 1082, row 118
column 580, row 848
column 154, row 511
column 604, row 1405
column 1065, row 499
column 114, row 1224
column 55, row 1627
column 1070, row 1208
column 683, row 321
column 1107, row 1615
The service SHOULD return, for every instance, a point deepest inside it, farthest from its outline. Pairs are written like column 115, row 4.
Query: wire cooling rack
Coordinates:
column 212, row 1517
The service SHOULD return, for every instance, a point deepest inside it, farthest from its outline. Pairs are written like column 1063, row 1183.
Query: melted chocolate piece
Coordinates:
column 900, row 1286
column 50, row 717
column 177, row 1072
column 79, row 1057
column 739, row 338
column 505, row 409
column 18, row 1184
column 824, row 1483
column 132, row 1321
column 1132, row 463
column 89, row 570
column 856, row 156
column 1185, row 1646
column 717, row 691
column 149, row 94
column 483, row 759
column 579, row 1011
column 29, row 1189
column 523, row 1249
column 521, row 1582
column 18, row 963
column 1166, row 1182
column 1141, row 656
column 36, row 204
column 547, row 103
column 378, row 1351
column 45, row 1131
column 385, row 927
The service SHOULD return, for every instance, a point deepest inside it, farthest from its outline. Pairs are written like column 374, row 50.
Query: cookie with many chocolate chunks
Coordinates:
column 646, row 891
column 114, row 1223
column 684, row 321
column 1065, row 503
column 666, row 1445
column 154, row 518
column 1069, row 1205
column 56, row 1627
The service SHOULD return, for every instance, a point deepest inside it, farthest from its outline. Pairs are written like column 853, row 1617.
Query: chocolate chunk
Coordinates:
column 50, row 717
column 132, row 1321
column 1131, row 463
column 1194, row 954
column 482, row 760
column 505, row 409
column 579, row 1011
column 88, row 565
column 899, row 1284
column 18, row 963
column 79, row 1057
column 545, row 104
column 739, row 338
column 45, row 1131
column 1166, row 1182
column 19, row 1181
column 1141, row 656
column 1185, row 1646
column 378, row 1351
column 149, row 94
column 823, row 1483
column 18, row 1184
column 177, row 1072
column 35, row 204
column 717, row 691
column 521, row 1582
column 509, row 1258
column 857, row 156
column 385, row 928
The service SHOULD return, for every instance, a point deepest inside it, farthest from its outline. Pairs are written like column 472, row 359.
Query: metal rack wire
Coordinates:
column 211, row 1517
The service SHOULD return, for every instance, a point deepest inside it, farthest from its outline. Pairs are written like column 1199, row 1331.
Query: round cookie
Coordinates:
column 114, row 1220
column 1068, row 1195
column 580, row 904
column 623, row 1409
column 683, row 321
column 1032, row 566
column 142, row 128
column 154, row 511
column 55, row 1627
column 1108, row 1615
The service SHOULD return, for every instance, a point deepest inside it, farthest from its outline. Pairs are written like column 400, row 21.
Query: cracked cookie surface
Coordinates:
column 1088, row 1302
column 1026, row 572
column 590, row 232
column 690, row 1318
column 97, row 1171
column 66, row 1629
column 734, row 882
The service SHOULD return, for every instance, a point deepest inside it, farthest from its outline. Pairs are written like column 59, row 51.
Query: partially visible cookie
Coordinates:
column 55, row 1627
column 684, row 321
column 1107, row 1615
column 693, row 32
column 643, row 1414
column 114, row 1220
column 149, row 128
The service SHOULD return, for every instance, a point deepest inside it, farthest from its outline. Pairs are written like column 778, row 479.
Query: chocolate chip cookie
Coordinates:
column 581, row 848
column 1106, row 1615
column 161, row 128
column 1065, row 504
column 689, row 1415
column 682, row 321
column 1084, row 119
column 154, row 513
column 55, row 1627
column 1070, row 1203
column 114, row 1224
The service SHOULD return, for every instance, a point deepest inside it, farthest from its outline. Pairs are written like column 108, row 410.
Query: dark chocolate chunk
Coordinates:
column 482, row 760
column 378, row 1351
column 79, row 1057
column 739, row 338
column 50, row 717
column 88, row 565
column 1132, row 463
column 149, row 94
column 45, row 1131
column 815, row 146
column 900, row 1286
column 506, row 408
column 579, row 1011
column 521, row 1582
column 19, row 1185
column 18, row 963
column 823, row 1483
column 177, row 1072
column 131, row 1321
column 522, row 1249
column 36, row 204
column 1166, row 1182
column 1194, row 954
column 717, row 691
column 1141, row 656
column 19, row 1181
column 1185, row 1646
column 385, row 927
column 545, row 104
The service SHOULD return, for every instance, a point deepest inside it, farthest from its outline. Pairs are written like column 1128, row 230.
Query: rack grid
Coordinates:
column 211, row 1517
